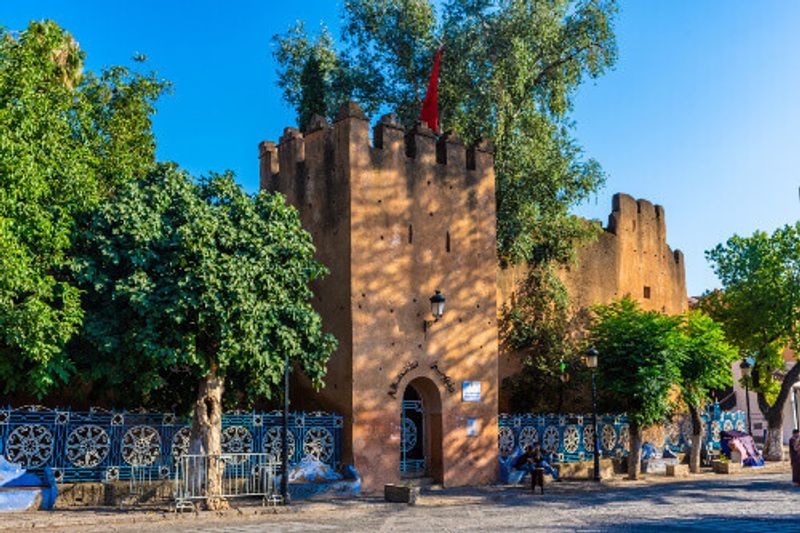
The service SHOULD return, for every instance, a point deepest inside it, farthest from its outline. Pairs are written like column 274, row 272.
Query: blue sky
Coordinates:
column 700, row 115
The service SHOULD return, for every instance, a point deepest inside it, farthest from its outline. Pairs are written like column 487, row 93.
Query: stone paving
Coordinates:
column 749, row 502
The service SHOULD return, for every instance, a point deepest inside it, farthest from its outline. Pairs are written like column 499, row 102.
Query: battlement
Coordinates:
column 390, row 144
column 640, row 220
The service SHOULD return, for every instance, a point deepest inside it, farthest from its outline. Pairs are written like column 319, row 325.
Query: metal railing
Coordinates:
column 238, row 475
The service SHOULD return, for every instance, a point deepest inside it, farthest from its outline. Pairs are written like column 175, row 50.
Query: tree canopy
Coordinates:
column 760, row 308
column 509, row 71
column 639, row 365
column 67, row 138
column 540, row 328
column 705, row 366
column 707, row 358
column 197, row 278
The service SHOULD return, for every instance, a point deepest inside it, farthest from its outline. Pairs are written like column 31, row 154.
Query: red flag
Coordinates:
column 430, row 106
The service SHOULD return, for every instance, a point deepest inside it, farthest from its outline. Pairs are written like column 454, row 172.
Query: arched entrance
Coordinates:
column 421, row 430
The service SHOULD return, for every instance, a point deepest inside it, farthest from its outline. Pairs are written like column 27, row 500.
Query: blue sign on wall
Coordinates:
column 471, row 391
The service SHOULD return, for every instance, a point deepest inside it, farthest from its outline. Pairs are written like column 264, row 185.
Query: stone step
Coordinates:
column 421, row 482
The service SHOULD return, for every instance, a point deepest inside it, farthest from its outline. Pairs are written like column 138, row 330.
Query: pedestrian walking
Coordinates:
column 794, row 455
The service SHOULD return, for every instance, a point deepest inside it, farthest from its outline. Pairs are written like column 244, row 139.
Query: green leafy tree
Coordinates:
column 760, row 308
column 706, row 366
column 509, row 71
column 203, row 279
column 639, row 366
column 540, row 328
column 67, row 138
column 313, row 90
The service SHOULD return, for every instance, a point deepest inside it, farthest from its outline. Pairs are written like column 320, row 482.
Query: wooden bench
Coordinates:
column 28, row 481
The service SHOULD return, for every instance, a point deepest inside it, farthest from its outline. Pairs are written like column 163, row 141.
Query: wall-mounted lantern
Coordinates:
column 437, row 309
column 591, row 357
column 747, row 367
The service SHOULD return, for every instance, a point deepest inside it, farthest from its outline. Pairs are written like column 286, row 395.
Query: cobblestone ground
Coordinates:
column 747, row 503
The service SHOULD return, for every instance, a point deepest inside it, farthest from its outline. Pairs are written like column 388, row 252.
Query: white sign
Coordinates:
column 470, row 391
column 472, row 427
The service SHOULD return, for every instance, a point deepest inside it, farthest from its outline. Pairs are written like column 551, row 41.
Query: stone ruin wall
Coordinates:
column 395, row 219
column 630, row 257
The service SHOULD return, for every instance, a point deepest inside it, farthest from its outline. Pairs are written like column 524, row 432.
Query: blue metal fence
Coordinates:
column 571, row 436
column 100, row 445
column 679, row 433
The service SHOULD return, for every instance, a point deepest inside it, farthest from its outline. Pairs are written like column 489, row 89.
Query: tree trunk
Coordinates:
column 635, row 454
column 773, row 447
column 697, row 440
column 206, row 439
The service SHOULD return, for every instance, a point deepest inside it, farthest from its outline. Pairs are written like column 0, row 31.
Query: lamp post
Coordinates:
column 747, row 368
column 285, row 435
column 437, row 309
column 591, row 361
column 564, row 378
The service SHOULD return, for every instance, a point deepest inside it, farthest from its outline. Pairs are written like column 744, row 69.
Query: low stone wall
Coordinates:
column 113, row 494
column 585, row 469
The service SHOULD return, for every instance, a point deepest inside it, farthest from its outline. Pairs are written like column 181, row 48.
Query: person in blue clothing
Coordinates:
column 533, row 458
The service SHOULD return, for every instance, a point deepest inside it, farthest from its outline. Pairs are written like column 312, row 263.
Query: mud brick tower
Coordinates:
column 395, row 219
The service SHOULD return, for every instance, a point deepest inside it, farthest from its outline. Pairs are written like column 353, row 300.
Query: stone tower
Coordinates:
column 396, row 219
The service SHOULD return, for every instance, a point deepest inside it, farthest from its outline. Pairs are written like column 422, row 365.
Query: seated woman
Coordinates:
column 533, row 458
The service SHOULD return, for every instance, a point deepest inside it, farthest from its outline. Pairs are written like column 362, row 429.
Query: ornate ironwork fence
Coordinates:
column 412, row 459
column 678, row 434
column 571, row 436
column 100, row 445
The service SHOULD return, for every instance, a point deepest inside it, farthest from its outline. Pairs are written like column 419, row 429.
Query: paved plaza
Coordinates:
column 764, row 502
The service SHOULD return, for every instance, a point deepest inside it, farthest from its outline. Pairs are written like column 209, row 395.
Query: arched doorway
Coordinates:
column 421, row 430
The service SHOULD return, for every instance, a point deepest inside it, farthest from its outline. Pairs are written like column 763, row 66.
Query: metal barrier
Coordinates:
column 240, row 475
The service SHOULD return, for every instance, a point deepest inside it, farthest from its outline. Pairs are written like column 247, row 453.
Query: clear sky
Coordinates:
column 700, row 115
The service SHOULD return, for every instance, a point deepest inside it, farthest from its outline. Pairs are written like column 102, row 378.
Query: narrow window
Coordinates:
column 410, row 234
column 447, row 242
column 647, row 292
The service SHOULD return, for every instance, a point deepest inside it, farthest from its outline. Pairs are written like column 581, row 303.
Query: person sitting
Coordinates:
column 533, row 458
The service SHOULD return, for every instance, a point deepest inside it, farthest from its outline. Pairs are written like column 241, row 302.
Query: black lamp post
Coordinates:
column 591, row 361
column 437, row 309
column 285, row 435
column 747, row 368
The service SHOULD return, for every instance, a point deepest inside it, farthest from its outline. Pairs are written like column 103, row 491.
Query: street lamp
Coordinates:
column 285, row 435
column 747, row 368
column 592, row 356
column 437, row 309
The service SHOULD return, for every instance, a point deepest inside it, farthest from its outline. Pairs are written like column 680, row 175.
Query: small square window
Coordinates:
column 647, row 292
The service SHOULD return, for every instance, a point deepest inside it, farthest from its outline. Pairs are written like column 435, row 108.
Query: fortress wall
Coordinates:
column 630, row 257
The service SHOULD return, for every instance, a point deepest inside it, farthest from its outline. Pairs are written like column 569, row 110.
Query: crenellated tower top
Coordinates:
column 349, row 133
